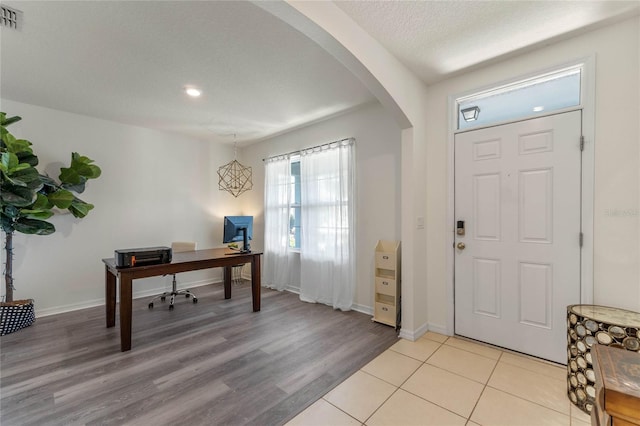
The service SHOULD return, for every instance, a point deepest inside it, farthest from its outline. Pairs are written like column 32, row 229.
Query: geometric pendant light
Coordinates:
column 234, row 177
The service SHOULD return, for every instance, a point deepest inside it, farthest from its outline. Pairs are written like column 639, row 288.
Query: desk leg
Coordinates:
column 110, row 297
column 227, row 282
column 255, row 282
column 125, row 312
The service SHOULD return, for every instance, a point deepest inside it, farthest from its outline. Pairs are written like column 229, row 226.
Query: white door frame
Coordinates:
column 587, row 105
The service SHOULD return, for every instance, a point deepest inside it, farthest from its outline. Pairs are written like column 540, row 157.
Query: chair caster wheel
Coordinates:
column 195, row 300
column 151, row 305
column 171, row 307
column 187, row 295
column 163, row 298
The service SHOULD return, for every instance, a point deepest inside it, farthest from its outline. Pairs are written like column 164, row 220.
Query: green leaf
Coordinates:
column 8, row 139
column 16, row 146
column 18, row 196
column 61, row 198
column 36, row 214
column 80, row 170
column 31, row 177
column 79, row 188
column 77, row 159
column 8, row 162
column 69, row 175
column 80, row 209
column 8, row 179
column 11, row 211
column 28, row 158
column 96, row 172
column 34, row 226
column 6, row 223
column 42, row 203
column 49, row 186
column 4, row 121
column 28, row 177
column 88, row 170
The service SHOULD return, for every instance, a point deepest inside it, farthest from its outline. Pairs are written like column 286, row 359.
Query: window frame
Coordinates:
column 462, row 100
column 295, row 202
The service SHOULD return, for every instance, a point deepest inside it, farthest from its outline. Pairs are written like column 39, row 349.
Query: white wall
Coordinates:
column 405, row 97
column 155, row 188
column 617, row 161
column 377, row 180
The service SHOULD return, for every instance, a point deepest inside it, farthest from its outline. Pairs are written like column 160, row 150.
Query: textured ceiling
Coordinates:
column 436, row 39
column 129, row 61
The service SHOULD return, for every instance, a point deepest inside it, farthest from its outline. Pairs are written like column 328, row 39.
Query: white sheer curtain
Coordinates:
column 327, row 254
column 277, row 189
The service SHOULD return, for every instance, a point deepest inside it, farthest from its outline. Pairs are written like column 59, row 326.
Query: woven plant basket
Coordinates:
column 16, row 315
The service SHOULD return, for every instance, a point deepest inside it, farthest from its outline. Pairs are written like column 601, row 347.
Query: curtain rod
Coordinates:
column 310, row 148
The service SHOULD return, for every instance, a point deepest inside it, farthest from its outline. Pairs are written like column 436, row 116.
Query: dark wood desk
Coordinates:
column 181, row 262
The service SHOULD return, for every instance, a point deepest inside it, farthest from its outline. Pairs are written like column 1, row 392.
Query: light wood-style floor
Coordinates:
column 211, row 363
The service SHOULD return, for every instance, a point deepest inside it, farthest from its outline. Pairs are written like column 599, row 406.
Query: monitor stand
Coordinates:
column 245, row 244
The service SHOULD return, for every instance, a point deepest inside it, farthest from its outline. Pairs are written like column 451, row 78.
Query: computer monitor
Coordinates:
column 238, row 228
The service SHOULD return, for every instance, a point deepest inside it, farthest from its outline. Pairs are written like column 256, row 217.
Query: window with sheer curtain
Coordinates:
column 324, row 226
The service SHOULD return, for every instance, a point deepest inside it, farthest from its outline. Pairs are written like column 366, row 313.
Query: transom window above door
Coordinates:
column 540, row 95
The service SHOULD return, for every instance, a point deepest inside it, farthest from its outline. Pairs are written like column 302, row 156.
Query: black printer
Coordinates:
column 127, row 258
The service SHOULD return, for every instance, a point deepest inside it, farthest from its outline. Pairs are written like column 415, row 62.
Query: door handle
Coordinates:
column 461, row 246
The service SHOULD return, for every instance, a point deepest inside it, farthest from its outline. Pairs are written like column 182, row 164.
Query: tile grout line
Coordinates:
column 399, row 387
column 484, row 388
column 485, row 385
column 533, row 402
column 513, row 395
column 380, row 406
column 337, row 408
column 441, row 344
column 502, row 352
column 372, row 375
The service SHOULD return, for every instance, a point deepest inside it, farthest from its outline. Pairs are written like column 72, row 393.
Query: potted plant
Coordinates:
column 27, row 200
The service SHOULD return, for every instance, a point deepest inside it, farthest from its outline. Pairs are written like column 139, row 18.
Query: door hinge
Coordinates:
column 581, row 143
column 581, row 239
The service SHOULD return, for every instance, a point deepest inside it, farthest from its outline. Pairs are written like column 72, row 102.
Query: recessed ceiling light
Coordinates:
column 538, row 109
column 193, row 92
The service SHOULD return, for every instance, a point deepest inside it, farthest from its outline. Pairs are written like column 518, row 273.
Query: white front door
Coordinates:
column 517, row 266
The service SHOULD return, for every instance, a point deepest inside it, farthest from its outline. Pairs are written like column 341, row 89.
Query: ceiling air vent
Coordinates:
column 11, row 18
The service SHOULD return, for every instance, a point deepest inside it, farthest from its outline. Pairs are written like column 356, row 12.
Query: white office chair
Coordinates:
column 177, row 247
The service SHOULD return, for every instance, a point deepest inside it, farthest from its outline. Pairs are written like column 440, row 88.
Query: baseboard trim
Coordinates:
column 67, row 308
column 155, row 291
column 100, row 302
column 362, row 309
column 440, row 329
column 368, row 310
column 414, row 335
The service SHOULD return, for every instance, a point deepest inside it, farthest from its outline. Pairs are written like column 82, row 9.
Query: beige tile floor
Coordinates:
column 440, row 380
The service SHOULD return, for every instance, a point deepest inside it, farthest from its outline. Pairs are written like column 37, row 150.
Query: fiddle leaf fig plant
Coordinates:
column 28, row 198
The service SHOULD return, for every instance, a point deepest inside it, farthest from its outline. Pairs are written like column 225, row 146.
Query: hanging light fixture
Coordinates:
column 233, row 176
column 471, row 113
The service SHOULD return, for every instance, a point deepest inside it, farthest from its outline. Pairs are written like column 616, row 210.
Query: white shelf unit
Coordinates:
column 387, row 283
